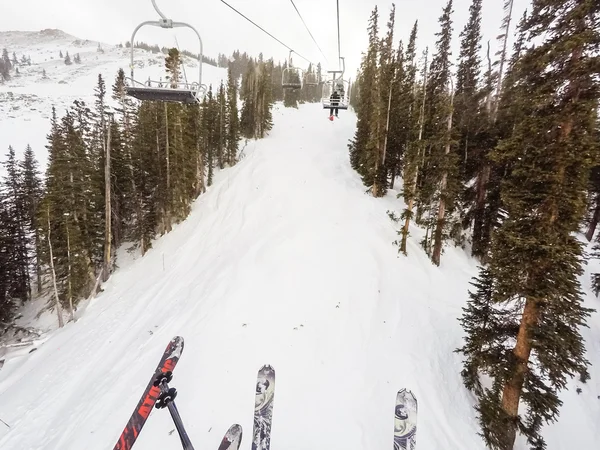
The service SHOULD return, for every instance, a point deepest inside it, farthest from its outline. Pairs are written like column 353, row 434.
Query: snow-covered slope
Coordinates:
column 26, row 100
column 286, row 261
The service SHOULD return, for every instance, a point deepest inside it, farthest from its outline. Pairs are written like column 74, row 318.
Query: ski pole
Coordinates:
column 167, row 398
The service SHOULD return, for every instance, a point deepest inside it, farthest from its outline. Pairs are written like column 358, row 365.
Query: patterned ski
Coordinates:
column 232, row 439
column 405, row 421
column 263, row 408
column 137, row 420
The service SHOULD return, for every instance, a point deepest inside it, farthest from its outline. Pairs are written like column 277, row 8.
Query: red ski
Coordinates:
column 148, row 400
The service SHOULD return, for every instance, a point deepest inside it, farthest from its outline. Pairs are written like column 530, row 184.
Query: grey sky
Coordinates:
column 222, row 30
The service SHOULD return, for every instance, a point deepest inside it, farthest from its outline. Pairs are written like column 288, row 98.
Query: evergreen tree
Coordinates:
column 6, row 60
column 8, row 304
column 256, row 117
column 32, row 192
column 437, row 188
column 550, row 152
column 509, row 113
column 363, row 148
column 173, row 66
column 387, row 68
column 13, row 205
column 415, row 146
column 221, row 104
column 467, row 85
column 233, row 121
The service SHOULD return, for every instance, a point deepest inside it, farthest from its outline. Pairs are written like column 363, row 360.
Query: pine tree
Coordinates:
column 438, row 184
column 233, row 121
column 15, row 220
column 8, row 300
column 550, row 152
column 247, row 91
column 32, row 192
column 467, row 85
column 509, row 113
column 6, row 59
column 485, row 326
column 363, row 148
column 221, row 105
column 385, row 92
column 173, row 66
column 415, row 148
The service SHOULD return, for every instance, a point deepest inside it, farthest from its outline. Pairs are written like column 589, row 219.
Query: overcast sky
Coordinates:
column 222, row 30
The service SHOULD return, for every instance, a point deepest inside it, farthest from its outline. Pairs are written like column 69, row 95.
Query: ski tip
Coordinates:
column 236, row 428
column 232, row 439
column 175, row 347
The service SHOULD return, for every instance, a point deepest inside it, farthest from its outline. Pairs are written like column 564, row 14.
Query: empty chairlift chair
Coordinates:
column 166, row 91
column 291, row 78
column 310, row 79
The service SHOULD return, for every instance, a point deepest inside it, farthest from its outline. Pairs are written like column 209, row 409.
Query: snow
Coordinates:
column 26, row 100
column 284, row 261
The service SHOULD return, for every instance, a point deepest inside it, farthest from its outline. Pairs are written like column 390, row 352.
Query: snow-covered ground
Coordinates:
column 26, row 100
column 286, row 261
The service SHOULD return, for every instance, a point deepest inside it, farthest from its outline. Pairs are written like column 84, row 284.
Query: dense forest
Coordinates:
column 499, row 156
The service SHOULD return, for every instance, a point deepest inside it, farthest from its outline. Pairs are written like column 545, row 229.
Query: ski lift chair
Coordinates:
column 169, row 91
column 339, row 85
column 291, row 77
column 311, row 79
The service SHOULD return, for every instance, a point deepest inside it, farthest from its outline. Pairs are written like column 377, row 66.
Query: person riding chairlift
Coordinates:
column 334, row 102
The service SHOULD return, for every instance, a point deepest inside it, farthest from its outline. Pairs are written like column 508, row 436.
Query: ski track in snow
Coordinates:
column 284, row 261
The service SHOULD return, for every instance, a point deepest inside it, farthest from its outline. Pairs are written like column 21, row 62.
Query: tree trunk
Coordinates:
column 107, row 210
column 514, row 385
column 221, row 119
column 58, row 307
column 167, row 217
column 413, row 182
column 441, row 219
column 589, row 234
column 380, row 172
column 69, row 273
column 38, row 266
column 483, row 177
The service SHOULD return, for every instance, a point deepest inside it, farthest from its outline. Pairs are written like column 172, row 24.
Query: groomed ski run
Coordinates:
column 284, row 261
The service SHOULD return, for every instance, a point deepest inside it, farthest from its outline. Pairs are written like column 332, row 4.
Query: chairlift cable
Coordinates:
column 265, row 31
column 311, row 35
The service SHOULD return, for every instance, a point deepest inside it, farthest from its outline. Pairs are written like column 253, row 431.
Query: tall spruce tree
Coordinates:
column 15, row 222
column 550, row 152
column 415, row 146
column 32, row 192
column 363, row 148
column 384, row 92
column 437, row 188
column 233, row 120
